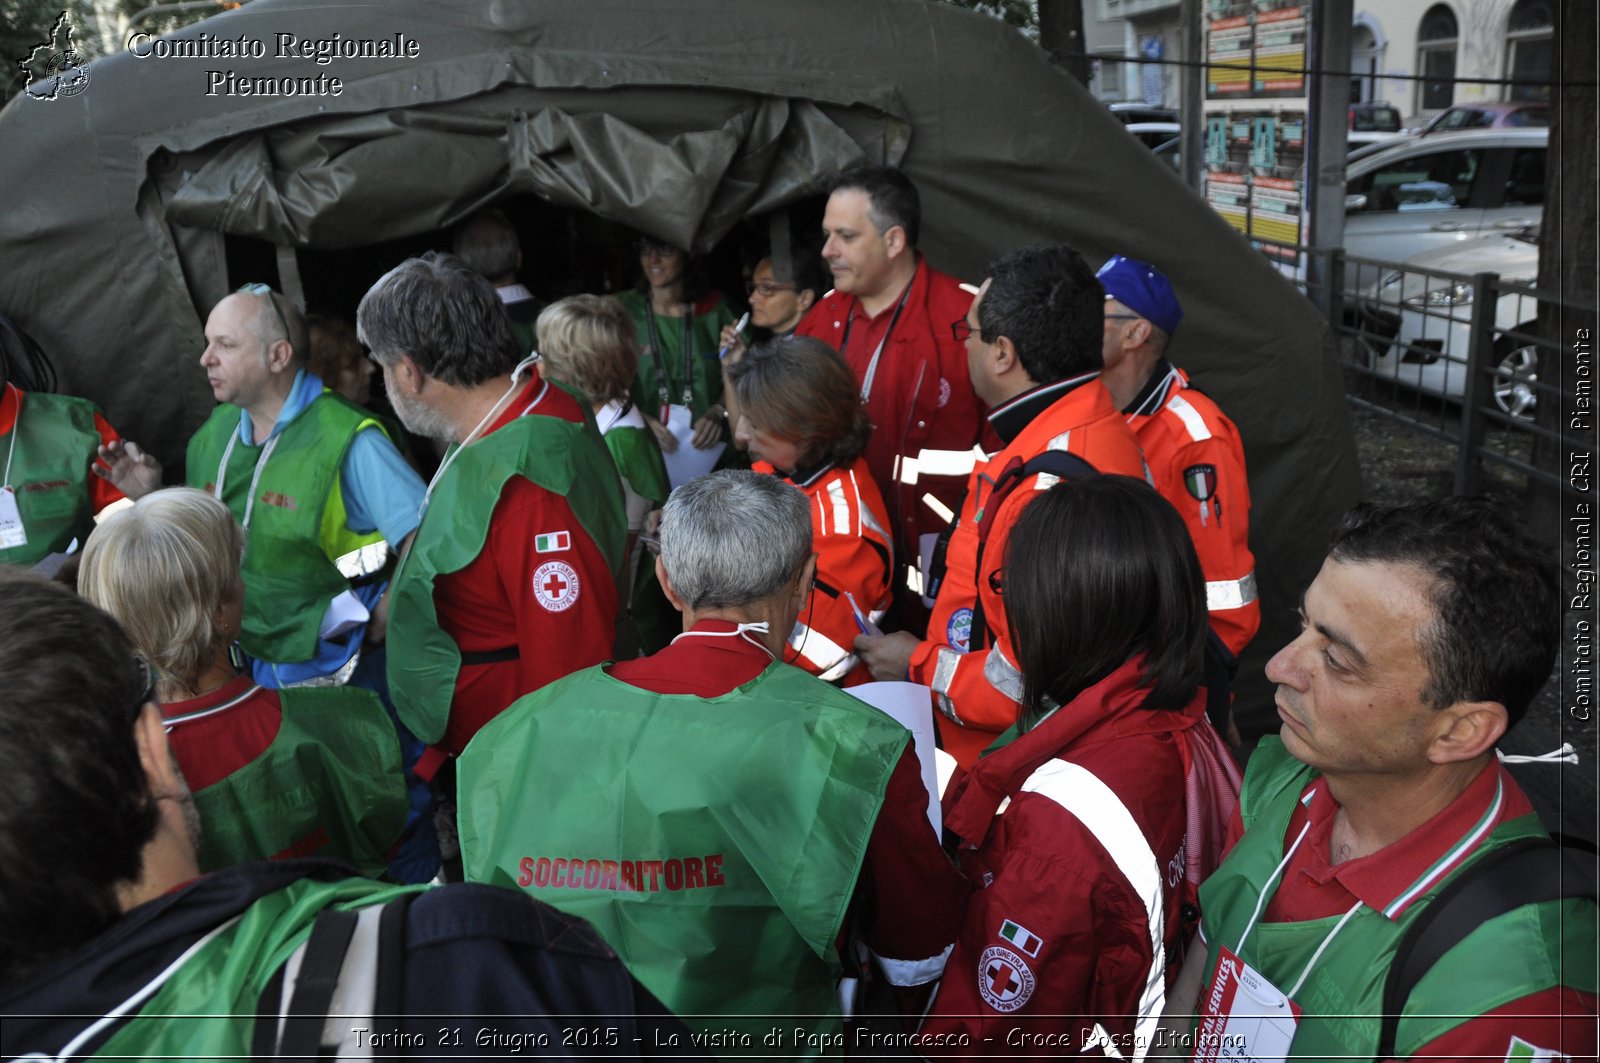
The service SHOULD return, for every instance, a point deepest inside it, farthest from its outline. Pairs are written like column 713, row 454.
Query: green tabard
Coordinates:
column 1510, row 957
column 715, row 842
column 55, row 440
column 297, row 523
column 207, row 1008
column 557, row 455
column 705, row 371
column 329, row 785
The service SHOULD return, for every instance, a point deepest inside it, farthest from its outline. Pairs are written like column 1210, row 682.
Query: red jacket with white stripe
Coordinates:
column 849, row 532
column 1197, row 463
column 1074, row 832
column 975, row 683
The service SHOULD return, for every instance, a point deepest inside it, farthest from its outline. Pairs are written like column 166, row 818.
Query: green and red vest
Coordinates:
column 216, row 988
column 329, row 785
column 1517, row 953
column 639, row 463
column 563, row 457
column 297, row 531
column 55, row 441
column 713, row 842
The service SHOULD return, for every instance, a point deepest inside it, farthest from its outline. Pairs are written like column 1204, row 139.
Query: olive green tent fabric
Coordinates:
column 677, row 117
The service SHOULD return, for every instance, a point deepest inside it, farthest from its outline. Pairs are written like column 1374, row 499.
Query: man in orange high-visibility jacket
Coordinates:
column 1194, row 452
column 1033, row 352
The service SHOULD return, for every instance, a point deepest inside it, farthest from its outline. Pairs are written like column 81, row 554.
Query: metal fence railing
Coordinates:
column 1477, row 361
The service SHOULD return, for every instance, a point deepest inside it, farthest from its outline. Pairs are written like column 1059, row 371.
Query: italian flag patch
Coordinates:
column 1021, row 937
column 550, row 542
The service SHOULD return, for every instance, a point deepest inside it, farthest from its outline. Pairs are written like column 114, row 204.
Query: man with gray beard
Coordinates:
column 509, row 583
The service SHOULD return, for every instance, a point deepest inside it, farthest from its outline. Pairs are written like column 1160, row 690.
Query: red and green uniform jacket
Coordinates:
column 302, row 772
column 1505, row 980
column 51, row 447
column 715, row 843
column 975, row 681
column 296, row 518
column 535, row 500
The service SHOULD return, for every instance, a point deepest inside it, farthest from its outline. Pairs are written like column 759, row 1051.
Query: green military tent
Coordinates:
column 676, row 117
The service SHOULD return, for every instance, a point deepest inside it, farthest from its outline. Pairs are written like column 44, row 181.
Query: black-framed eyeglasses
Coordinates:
column 997, row 581
column 961, row 329
column 147, row 686
column 257, row 288
column 767, row 288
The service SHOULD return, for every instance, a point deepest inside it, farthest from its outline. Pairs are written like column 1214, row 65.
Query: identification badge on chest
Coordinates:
column 1243, row 1016
column 12, row 533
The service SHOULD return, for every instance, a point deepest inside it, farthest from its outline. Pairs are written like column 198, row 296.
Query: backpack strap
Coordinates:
column 346, row 970
column 1061, row 464
column 1524, row 872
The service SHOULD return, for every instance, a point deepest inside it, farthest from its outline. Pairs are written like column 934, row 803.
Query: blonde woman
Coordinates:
column 275, row 773
column 587, row 345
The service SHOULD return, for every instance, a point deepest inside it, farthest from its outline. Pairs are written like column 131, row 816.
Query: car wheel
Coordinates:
column 1515, row 373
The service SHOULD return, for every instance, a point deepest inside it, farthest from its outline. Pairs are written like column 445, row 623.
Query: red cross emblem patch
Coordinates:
column 555, row 586
column 1004, row 980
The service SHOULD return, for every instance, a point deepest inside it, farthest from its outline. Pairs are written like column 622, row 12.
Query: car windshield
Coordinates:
column 1375, row 120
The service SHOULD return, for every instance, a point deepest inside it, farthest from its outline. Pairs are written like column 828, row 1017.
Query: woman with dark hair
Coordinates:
column 801, row 418
column 1091, row 822
column 677, row 324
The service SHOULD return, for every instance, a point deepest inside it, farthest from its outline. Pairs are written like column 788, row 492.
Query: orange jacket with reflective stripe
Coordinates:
column 978, row 691
column 1197, row 462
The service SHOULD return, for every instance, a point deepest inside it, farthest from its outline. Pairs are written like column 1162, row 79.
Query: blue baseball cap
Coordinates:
column 1142, row 288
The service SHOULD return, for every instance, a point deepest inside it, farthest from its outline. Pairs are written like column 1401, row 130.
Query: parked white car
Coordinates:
column 1436, row 191
column 1417, row 326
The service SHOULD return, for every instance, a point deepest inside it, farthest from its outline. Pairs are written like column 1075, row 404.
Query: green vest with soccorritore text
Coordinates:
column 713, row 842
column 297, row 529
column 55, row 440
column 561, row 456
column 1505, row 959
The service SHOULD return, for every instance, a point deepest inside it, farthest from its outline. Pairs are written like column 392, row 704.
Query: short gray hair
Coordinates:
column 446, row 316
column 734, row 537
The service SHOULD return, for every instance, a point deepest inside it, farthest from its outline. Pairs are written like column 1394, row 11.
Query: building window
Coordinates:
column 1530, row 49
column 1436, row 59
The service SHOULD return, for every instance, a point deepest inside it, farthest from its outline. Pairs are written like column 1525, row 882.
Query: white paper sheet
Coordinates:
column 912, row 705
column 345, row 613
column 685, row 463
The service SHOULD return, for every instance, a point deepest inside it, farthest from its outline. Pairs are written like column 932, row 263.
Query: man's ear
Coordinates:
column 1467, row 730
column 895, row 242
column 280, row 356
column 155, row 754
column 1004, row 356
column 666, row 588
column 409, row 375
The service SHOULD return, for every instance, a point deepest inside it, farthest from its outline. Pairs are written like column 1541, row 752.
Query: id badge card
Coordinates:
column 12, row 533
column 1243, row 1016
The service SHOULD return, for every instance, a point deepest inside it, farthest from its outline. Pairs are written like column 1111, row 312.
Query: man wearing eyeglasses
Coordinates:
column 324, row 495
column 1033, row 351
column 1194, row 451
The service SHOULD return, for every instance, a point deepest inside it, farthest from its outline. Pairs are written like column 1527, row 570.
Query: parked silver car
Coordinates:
column 1417, row 325
column 1436, row 191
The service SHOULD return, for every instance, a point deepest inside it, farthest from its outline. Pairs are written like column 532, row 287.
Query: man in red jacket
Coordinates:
column 889, row 315
column 1033, row 348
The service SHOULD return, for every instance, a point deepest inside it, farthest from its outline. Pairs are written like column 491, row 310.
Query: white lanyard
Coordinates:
column 1267, row 892
column 16, row 430
column 760, row 626
column 255, row 477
